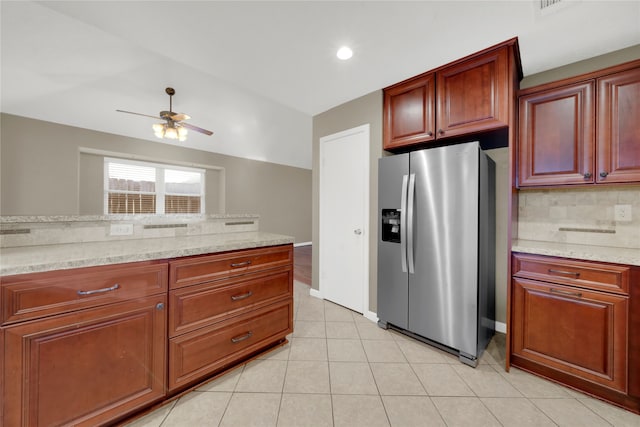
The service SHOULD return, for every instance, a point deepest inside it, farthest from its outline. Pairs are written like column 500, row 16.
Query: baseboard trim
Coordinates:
column 295, row 245
column 501, row 327
column 315, row 293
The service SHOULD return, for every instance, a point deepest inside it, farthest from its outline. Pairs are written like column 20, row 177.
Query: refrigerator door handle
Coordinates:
column 409, row 227
column 403, row 224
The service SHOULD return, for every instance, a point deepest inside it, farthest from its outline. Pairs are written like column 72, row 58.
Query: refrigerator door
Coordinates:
column 393, row 282
column 443, row 290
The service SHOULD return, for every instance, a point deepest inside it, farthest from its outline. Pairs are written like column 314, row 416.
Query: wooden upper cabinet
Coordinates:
column 473, row 95
column 618, row 125
column 556, row 140
column 409, row 112
column 581, row 130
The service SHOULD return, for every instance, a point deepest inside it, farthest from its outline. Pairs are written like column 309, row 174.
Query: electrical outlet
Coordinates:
column 622, row 213
column 121, row 230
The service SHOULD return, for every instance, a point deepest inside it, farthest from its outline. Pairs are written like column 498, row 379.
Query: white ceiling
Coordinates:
column 256, row 72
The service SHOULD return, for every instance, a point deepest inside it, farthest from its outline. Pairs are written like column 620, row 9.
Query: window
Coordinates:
column 132, row 187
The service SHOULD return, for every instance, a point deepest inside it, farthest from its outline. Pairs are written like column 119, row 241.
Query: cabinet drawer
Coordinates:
column 201, row 269
column 196, row 306
column 590, row 275
column 30, row 296
column 204, row 351
column 572, row 330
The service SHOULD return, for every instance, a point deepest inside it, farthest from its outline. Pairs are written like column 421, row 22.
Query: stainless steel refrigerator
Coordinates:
column 436, row 247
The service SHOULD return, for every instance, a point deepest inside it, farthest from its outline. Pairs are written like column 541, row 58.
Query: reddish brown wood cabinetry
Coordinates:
column 84, row 351
column 225, row 307
column 409, row 112
column 619, row 127
column 574, row 322
column 91, row 346
column 582, row 130
column 472, row 95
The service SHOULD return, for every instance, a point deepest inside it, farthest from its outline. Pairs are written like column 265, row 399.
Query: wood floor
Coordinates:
column 302, row 264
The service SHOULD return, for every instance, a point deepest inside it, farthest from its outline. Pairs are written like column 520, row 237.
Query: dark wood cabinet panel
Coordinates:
column 619, row 127
column 473, row 96
column 204, row 351
column 409, row 116
column 35, row 295
column 577, row 331
column 201, row 305
column 88, row 367
column 576, row 322
column 226, row 307
column 556, row 141
column 581, row 130
column 200, row 269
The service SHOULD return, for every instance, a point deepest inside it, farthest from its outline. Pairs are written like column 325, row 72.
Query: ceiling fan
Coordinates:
column 173, row 126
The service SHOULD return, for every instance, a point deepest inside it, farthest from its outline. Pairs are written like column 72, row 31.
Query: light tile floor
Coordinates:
column 340, row 369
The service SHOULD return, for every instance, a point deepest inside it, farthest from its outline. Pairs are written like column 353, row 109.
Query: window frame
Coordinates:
column 160, row 187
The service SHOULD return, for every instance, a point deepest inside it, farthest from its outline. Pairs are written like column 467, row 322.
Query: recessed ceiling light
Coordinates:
column 344, row 53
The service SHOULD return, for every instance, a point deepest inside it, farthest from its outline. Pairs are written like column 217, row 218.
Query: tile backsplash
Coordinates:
column 580, row 216
column 17, row 231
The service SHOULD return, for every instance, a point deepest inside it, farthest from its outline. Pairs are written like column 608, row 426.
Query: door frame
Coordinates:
column 366, row 229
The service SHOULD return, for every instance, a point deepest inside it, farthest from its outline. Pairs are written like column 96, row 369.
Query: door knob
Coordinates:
column 357, row 231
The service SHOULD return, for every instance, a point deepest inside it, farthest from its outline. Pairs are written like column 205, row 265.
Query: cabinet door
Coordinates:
column 556, row 136
column 85, row 368
column 409, row 113
column 619, row 127
column 581, row 332
column 473, row 96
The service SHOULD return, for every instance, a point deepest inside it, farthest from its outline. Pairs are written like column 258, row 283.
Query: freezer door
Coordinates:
column 443, row 290
column 393, row 282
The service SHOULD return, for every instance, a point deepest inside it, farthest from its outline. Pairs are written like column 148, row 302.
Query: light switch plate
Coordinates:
column 622, row 213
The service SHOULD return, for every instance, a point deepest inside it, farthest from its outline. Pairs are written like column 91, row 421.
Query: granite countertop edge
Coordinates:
column 627, row 256
column 33, row 259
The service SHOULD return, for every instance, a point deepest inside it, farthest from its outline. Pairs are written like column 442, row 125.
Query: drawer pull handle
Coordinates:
column 568, row 273
column 241, row 337
column 569, row 293
column 241, row 297
column 99, row 291
column 240, row 264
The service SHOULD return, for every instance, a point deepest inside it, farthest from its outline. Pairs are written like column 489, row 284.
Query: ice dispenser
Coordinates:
column 391, row 225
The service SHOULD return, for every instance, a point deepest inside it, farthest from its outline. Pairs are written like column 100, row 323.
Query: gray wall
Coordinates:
column 360, row 111
column 588, row 65
column 43, row 172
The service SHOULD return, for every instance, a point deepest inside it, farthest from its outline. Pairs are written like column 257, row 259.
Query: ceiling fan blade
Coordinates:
column 196, row 128
column 140, row 114
column 176, row 117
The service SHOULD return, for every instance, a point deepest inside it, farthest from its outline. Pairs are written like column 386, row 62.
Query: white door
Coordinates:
column 344, row 218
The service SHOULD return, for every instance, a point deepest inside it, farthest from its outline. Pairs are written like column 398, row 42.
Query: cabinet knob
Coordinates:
column 587, row 175
column 429, row 133
column 440, row 132
column 160, row 306
column 603, row 174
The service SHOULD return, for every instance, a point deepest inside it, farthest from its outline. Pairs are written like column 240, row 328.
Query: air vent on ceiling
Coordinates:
column 548, row 7
column 543, row 4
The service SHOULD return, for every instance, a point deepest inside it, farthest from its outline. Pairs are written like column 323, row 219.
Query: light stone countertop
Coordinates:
column 30, row 259
column 582, row 252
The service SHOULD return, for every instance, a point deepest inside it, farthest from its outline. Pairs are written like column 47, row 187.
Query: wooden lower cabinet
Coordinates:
column 93, row 346
column 86, row 368
column 577, row 323
column 207, row 350
column 578, row 331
